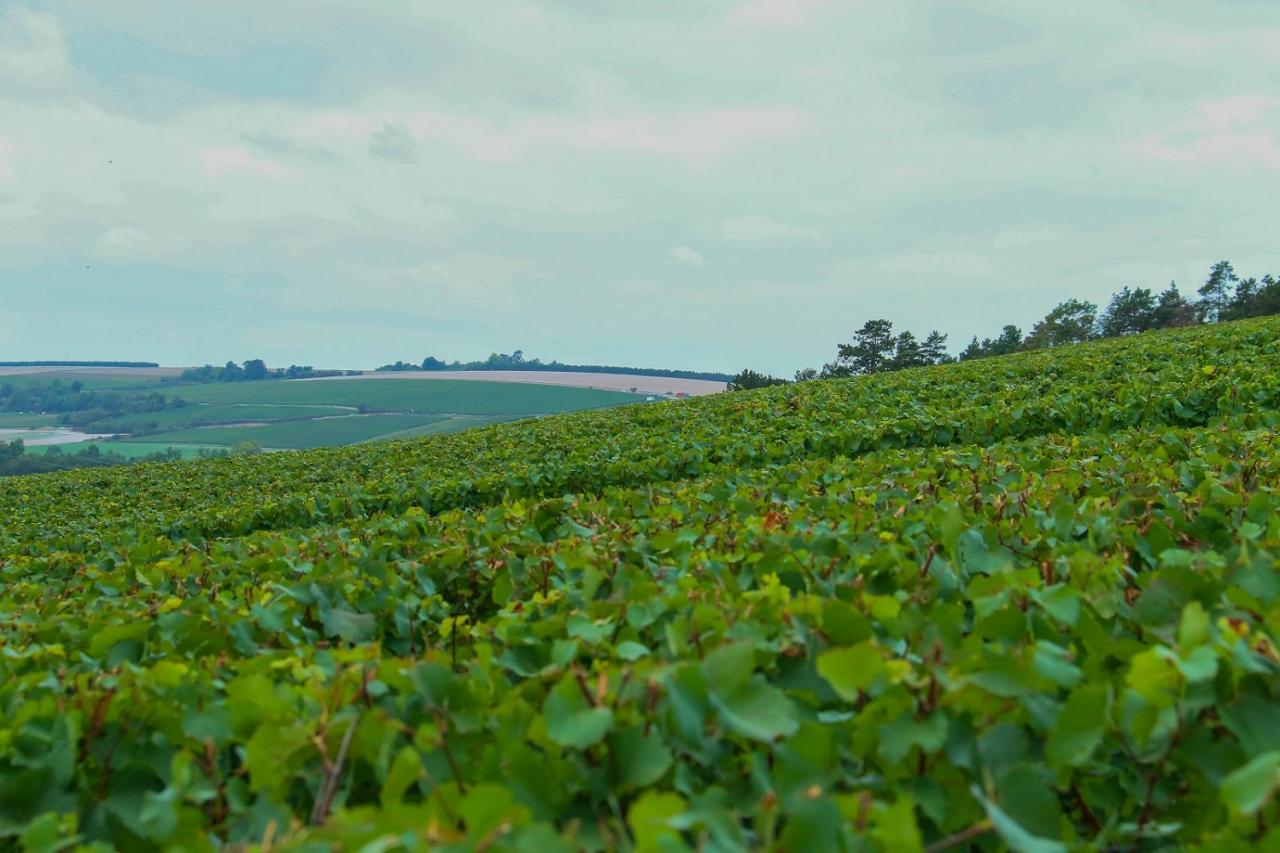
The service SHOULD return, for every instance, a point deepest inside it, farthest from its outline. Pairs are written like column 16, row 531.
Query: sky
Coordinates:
column 674, row 183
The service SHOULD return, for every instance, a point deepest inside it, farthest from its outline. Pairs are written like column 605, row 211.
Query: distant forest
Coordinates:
column 80, row 407
column 255, row 370
column 517, row 361
column 876, row 349
column 79, row 364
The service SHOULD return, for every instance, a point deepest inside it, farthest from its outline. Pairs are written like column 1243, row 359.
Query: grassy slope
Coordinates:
column 299, row 434
column 451, row 424
column 214, row 413
column 292, row 402
column 89, row 380
column 11, row 420
column 411, row 395
column 132, row 449
column 1109, row 385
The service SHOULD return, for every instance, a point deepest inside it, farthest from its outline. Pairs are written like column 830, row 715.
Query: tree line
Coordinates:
column 81, row 408
column 255, row 370
column 517, row 361
column 875, row 348
column 15, row 461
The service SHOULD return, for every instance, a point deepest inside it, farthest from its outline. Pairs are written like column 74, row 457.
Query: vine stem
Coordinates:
column 329, row 787
column 979, row 828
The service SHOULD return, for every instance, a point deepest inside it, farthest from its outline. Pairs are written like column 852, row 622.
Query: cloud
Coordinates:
column 697, row 138
column 1014, row 238
column 961, row 264
column 33, row 48
column 1150, row 275
column 1236, row 132
column 128, row 243
column 946, row 147
column 6, row 159
column 289, row 147
column 775, row 13
column 124, row 241
column 685, row 255
column 762, row 229
column 452, row 282
column 394, row 142
column 231, row 160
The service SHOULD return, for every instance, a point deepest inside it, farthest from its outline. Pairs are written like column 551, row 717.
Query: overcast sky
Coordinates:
column 666, row 183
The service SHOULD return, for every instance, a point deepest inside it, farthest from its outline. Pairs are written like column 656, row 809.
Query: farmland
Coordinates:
column 139, row 449
column 284, row 415
column 307, row 433
column 1027, row 602
column 411, row 395
column 25, row 421
column 217, row 413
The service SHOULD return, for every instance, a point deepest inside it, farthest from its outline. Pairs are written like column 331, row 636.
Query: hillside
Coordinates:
column 1028, row 601
column 129, row 415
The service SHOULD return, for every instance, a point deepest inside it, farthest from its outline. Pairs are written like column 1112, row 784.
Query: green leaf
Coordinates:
column 49, row 833
column 1061, row 602
column 977, row 557
column 159, row 813
column 729, row 667
column 1194, row 627
column 641, row 759
column 1154, row 677
column 650, row 819
column 1012, row 833
column 350, row 626
column 630, row 650
column 406, row 768
column 850, row 671
column 756, row 710
column 253, row 698
column 1080, row 727
column 812, row 824
column 1247, row 789
column 1026, row 793
column 898, row 737
column 571, row 721
column 1054, row 663
column 269, row 754
column 895, row 827
column 1200, row 665
column 109, row 636
column 748, row 704
column 487, row 806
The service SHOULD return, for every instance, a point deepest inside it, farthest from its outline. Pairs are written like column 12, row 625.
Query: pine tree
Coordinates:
column 1216, row 290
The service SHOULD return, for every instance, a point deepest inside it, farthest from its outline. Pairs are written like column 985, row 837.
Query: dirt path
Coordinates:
column 49, row 437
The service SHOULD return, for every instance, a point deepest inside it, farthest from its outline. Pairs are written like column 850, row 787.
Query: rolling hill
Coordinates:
column 1027, row 602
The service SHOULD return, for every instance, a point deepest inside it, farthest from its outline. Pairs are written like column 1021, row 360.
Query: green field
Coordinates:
column 1026, row 603
column 116, row 381
column 456, row 423
column 132, row 449
column 10, row 420
column 200, row 414
column 411, row 395
column 299, row 434
column 298, row 413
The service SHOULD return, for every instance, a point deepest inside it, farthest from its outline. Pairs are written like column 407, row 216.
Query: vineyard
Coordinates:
column 1026, row 603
